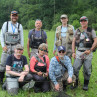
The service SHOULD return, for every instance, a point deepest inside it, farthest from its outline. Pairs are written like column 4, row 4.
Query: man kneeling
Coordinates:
column 15, row 75
column 61, row 70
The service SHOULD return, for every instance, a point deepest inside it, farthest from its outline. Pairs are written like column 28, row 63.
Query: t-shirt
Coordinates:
column 37, row 34
column 16, row 63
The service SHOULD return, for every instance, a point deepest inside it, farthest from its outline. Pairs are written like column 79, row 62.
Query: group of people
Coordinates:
column 54, row 74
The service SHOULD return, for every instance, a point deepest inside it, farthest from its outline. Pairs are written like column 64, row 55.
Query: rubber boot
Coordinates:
column 4, row 85
column 85, row 87
column 75, row 85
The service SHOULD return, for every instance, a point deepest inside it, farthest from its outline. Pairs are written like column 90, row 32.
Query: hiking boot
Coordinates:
column 4, row 86
column 85, row 87
column 74, row 85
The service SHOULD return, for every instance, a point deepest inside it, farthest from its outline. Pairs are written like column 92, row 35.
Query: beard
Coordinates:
column 61, row 56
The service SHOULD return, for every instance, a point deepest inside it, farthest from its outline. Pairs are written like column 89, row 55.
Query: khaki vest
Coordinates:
column 69, row 35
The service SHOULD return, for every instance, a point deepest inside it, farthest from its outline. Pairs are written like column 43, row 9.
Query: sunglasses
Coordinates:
column 83, row 20
column 62, row 51
column 44, row 50
column 19, row 49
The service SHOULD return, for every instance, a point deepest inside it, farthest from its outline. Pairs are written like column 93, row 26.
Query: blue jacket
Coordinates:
column 56, row 70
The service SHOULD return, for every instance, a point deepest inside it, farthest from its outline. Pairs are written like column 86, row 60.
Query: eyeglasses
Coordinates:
column 44, row 50
column 19, row 49
column 83, row 20
column 63, row 18
column 61, row 51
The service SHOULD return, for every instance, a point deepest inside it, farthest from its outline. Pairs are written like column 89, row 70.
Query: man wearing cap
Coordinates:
column 64, row 36
column 36, row 37
column 85, row 40
column 61, row 70
column 11, row 35
column 15, row 74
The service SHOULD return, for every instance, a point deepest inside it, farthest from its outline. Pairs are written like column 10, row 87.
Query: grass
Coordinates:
column 92, row 92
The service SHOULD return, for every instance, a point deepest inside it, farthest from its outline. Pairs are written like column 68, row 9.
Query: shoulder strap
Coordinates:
column 18, row 25
column 39, row 60
column 60, row 62
column 89, row 29
column 7, row 27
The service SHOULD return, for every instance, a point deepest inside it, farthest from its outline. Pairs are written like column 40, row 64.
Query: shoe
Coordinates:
column 73, row 87
column 36, row 89
column 4, row 86
column 85, row 87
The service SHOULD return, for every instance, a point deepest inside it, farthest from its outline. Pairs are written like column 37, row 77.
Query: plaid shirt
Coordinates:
column 56, row 70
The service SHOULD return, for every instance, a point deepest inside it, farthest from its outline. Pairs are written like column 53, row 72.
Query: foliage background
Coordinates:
column 49, row 11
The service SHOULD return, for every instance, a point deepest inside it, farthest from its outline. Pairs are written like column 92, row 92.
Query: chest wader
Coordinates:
column 65, row 41
column 11, row 40
column 36, row 41
column 12, row 81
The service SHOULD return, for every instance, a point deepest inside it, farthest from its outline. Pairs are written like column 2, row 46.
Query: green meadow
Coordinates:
column 92, row 92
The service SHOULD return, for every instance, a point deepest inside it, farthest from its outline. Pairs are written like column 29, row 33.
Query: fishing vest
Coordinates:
column 35, row 41
column 83, row 39
column 69, row 35
column 40, row 68
column 11, row 38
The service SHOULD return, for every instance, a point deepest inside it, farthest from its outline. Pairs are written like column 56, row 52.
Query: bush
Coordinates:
column 31, row 24
column 76, row 24
column 56, row 25
column 73, row 17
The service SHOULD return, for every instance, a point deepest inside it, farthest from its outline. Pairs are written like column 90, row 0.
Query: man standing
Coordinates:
column 85, row 40
column 35, row 38
column 61, row 70
column 11, row 35
column 64, row 36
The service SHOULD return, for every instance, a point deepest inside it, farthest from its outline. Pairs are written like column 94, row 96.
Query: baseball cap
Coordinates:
column 83, row 18
column 60, row 48
column 63, row 16
column 19, row 46
column 14, row 12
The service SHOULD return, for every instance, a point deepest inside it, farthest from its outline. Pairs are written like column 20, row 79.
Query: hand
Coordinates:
column 87, row 52
column 21, row 78
column 46, row 74
column 74, row 55
column 39, row 73
column 69, row 80
column 5, row 48
column 57, row 87
column 54, row 52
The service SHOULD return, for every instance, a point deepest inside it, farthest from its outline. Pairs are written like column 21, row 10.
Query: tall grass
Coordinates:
column 92, row 92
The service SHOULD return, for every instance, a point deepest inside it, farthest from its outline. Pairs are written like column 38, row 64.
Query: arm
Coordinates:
column 28, row 48
column 8, row 70
column 3, row 30
column 69, row 66
column 52, row 70
column 54, row 50
column 47, row 68
column 73, row 48
column 26, row 71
